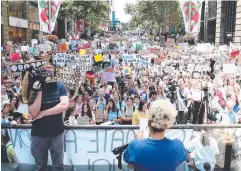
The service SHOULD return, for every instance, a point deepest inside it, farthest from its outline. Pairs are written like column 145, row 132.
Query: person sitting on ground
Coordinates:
column 206, row 148
column 157, row 152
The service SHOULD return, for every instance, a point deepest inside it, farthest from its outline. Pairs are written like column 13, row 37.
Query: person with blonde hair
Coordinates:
column 156, row 152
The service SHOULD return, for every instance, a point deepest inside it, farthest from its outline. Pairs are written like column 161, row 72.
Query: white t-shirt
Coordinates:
column 203, row 153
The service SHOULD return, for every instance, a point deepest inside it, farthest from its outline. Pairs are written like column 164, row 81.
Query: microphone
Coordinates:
column 120, row 149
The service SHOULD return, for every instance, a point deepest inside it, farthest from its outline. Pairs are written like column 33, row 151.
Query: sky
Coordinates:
column 119, row 6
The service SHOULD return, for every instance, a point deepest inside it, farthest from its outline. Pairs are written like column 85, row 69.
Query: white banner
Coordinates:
column 48, row 12
column 82, row 146
column 191, row 11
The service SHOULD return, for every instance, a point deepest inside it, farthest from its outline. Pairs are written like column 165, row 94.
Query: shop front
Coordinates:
column 34, row 27
column 17, row 29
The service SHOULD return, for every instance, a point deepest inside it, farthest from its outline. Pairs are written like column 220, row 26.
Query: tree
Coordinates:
column 153, row 14
column 96, row 11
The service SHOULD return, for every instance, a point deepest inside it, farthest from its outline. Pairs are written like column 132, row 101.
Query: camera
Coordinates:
column 205, row 89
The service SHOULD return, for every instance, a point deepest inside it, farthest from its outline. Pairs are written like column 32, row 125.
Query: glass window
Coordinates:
column 17, row 34
column 34, row 14
column 17, row 9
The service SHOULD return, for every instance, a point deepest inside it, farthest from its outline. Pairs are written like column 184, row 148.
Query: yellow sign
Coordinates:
column 82, row 52
column 126, row 70
column 98, row 58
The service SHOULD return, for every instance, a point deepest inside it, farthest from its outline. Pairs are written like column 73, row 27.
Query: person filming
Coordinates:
column 156, row 152
column 48, row 126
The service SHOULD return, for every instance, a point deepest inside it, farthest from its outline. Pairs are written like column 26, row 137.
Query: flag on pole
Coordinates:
column 48, row 12
column 191, row 11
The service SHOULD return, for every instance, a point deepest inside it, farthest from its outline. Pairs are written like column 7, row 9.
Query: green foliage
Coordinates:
column 153, row 14
column 96, row 11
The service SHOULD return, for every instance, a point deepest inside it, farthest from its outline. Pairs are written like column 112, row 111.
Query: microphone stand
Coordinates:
column 119, row 158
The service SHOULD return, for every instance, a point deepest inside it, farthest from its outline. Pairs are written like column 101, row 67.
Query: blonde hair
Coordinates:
column 162, row 114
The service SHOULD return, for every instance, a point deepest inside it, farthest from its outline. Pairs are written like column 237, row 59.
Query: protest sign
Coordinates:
column 82, row 52
column 229, row 68
column 45, row 47
column 9, row 43
column 18, row 67
column 99, row 117
column 126, row 70
column 15, row 56
column 74, row 45
column 95, row 149
column 238, row 70
column 129, row 58
column 83, row 120
column 34, row 42
column 190, row 67
column 98, row 58
column 108, row 77
column 24, row 48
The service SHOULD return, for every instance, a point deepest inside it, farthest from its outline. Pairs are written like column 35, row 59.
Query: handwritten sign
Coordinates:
column 18, row 67
column 229, row 68
column 83, row 120
column 45, row 47
column 98, row 58
column 24, row 48
column 99, row 117
column 34, row 42
column 95, row 148
column 238, row 70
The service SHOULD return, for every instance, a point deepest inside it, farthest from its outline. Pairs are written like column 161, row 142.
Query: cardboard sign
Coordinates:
column 229, row 68
column 83, row 120
column 238, row 70
column 190, row 67
column 108, row 77
column 99, row 117
column 34, row 42
column 98, row 58
column 24, row 48
column 45, row 47
column 18, row 67
column 126, row 70
column 82, row 52
column 15, row 56
column 9, row 43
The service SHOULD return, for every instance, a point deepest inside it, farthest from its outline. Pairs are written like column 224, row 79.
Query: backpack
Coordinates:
column 4, row 154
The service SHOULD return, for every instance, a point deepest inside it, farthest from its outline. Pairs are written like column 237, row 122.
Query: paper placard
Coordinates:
column 34, row 42
column 82, row 52
column 238, row 70
column 143, row 124
column 24, row 48
column 99, row 117
column 98, row 58
column 229, row 68
column 126, row 70
column 83, row 120
column 108, row 77
column 9, row 43
column 190, row 67
column 45, row 47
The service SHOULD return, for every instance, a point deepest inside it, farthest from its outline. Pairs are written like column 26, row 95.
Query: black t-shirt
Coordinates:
column 50, row 126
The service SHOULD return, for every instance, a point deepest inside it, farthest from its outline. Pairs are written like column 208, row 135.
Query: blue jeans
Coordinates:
column 39, row 150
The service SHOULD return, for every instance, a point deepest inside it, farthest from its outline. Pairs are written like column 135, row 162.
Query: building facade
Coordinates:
column 20, row 21
column 222, row 22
